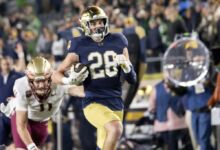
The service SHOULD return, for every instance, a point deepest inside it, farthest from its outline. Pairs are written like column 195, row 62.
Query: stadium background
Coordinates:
column 43, row 27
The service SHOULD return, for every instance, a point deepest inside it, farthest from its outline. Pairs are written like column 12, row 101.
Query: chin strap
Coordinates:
column 41, row 98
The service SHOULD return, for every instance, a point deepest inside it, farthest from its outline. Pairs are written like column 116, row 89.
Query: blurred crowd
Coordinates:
column 42, row 27
column 30, row 28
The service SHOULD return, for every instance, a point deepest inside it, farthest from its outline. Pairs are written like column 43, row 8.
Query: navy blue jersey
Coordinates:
column 6, row 89
column 70, row 33
column 104, row 74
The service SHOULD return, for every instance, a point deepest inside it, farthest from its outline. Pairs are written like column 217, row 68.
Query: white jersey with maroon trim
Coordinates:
column 26, row 101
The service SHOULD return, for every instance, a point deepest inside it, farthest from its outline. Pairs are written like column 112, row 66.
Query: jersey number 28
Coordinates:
column 104, row 65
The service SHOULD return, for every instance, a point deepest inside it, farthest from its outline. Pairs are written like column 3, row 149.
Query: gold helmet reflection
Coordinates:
column 191, row 44
column 39, row 69
column 94, row 13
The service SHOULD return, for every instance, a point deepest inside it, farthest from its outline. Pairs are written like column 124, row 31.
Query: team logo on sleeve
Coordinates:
column 28, row 93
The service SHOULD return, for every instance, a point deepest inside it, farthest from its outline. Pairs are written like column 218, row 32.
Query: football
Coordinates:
column 78, row 67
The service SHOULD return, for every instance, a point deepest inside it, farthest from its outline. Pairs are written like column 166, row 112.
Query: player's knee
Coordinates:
column 114, row 129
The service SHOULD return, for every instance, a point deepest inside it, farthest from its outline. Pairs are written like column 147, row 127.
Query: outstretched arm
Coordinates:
column 58, row 75
column 21, row 110
column 77, row 91
column 21, row 124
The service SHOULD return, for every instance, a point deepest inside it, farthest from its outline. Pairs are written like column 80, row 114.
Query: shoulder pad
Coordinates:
column 76, row 32
column 119, row 36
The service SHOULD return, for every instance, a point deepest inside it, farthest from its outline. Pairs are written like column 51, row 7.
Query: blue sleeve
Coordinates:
column 131, row 77
column 124, row 40
column 72, row 45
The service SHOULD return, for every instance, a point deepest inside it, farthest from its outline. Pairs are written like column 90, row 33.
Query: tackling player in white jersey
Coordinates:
column 36, row 100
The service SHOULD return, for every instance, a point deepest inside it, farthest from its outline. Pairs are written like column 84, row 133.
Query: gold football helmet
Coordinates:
column 39, row 73
column 94, row 13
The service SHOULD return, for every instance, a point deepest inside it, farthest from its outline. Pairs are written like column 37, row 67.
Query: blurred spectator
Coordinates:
column 13, row 38
column 45, row 41
column 29, row 39
column 136, row 47
column 156, row 10
column 15, row 55
column 19, row 63
column 33, row 22
column 154, row 46
column 143, row 19
column 169, row 120
column 39, row 6
column 196, row 101
column 58, row 47
column 2, row 48
column 217, row 19
column 57, row 5
column 1, row 28
column 2, row 7
column 7, row 79
column 176, row 24
column 78, row 6
column 192, row 18
column 207, row 28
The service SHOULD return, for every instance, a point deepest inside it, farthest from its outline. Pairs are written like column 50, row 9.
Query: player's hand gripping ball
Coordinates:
column 78, row 73
column 78, row 67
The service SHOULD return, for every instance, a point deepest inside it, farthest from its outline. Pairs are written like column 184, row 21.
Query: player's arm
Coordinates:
column 77, row 91
column 124, row 61
column 21, row 124
column 58, row 75
column 21, row 109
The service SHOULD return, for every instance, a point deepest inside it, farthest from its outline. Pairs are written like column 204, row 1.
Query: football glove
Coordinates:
column 78, row 73
column 123, row 62
column 8, row 109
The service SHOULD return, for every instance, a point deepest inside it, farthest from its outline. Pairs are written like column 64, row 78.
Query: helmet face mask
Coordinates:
column 39, row 73
column 91, row 15
column 40, row 86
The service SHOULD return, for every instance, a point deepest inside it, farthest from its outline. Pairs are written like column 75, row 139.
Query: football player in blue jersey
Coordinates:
column 106, row 57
